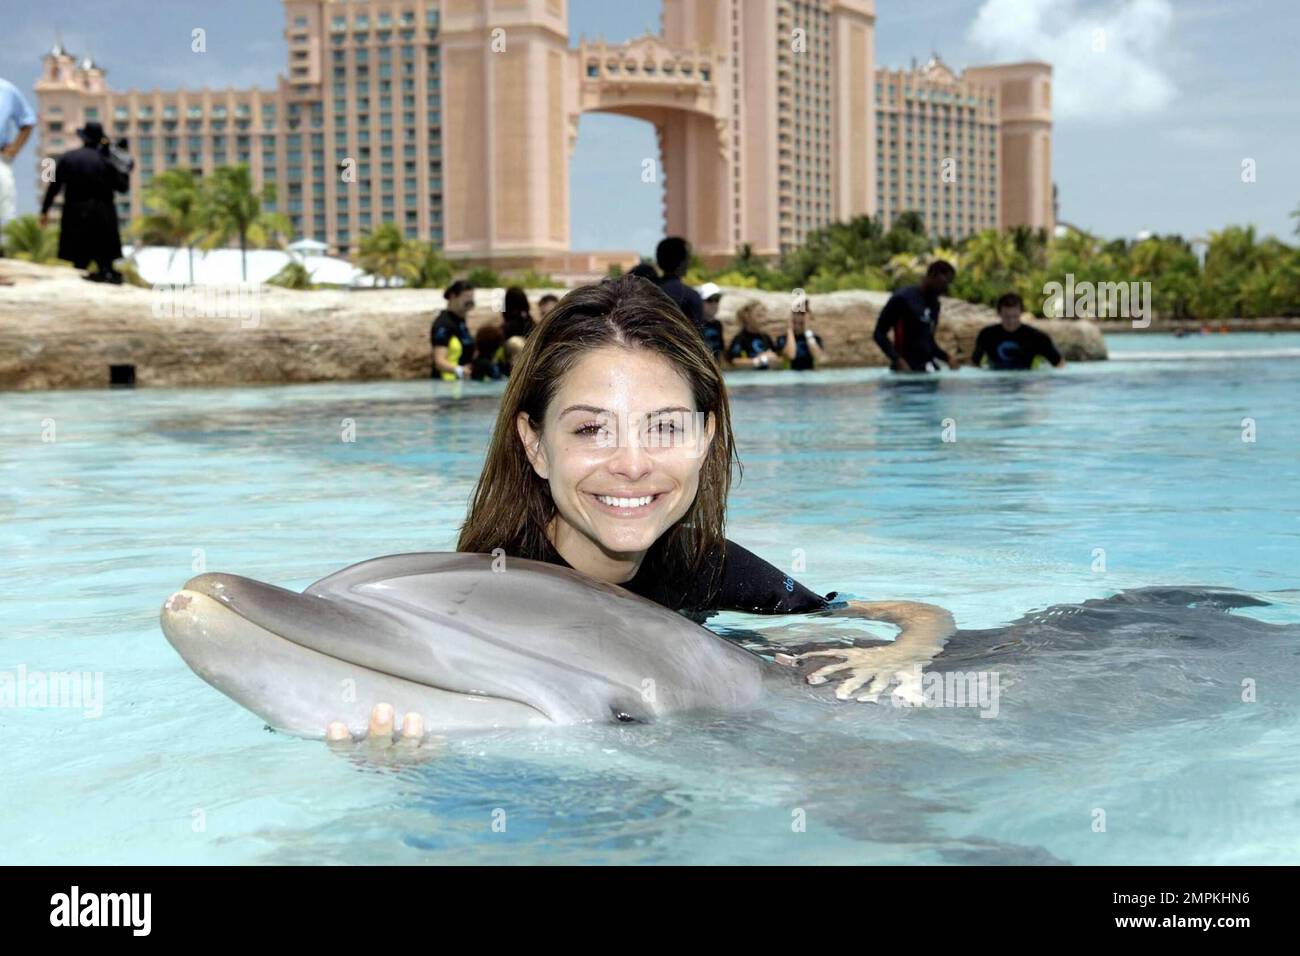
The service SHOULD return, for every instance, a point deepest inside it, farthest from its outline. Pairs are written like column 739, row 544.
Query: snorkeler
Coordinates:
column 1010, row 344
column 612, row 454
column 912, row 315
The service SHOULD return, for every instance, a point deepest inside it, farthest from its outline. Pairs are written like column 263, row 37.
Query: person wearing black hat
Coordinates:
column 88, row 225
column 453, row 346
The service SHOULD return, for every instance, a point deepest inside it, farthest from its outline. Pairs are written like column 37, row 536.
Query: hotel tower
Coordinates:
column 456, row 120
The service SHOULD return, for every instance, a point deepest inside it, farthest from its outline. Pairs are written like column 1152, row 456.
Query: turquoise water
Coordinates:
column 1059, row 488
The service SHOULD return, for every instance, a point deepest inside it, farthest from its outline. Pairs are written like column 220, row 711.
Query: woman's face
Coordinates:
column 621, row 447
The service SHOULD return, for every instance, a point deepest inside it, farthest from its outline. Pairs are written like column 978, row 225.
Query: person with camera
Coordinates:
column 88, row 177
column 800, row 346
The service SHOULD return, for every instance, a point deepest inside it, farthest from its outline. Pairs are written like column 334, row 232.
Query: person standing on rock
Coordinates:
column 88, row 224
column 16, row 122
column 453, row 346
column 1010, row 344
column 912, row 316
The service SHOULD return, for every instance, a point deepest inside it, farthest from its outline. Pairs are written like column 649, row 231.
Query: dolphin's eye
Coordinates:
column 624, row 717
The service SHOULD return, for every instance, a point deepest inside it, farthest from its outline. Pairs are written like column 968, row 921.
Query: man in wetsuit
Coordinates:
column 711, row 328
column 453, row 346
column 912, row 315
column 1010, row 344
column 674, row 257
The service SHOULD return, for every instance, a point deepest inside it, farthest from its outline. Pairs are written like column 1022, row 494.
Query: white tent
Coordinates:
column 313, row 247
column 168, row 265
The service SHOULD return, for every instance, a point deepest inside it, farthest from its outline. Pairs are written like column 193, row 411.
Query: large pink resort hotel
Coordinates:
column 456, row 119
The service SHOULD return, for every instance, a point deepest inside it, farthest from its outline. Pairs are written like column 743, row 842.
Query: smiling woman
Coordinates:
column 612, row 455
column 612, row 452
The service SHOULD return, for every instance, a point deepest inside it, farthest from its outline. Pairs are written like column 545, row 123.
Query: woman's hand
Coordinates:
column 924, row 630
column 381, row 732
column 875, row 667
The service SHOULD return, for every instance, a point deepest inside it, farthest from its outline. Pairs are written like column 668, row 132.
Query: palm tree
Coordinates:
column 176, row 213
column 293, row 276
column 26, row 239
column 234, row 210
column 428, row 269
column 383, row 254
column 989, row 256
column 1295, row 214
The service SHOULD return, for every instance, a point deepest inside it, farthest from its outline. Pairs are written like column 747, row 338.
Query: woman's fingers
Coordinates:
column 380, row 730
column 857, row 677
column 412, row 730
column 879, row 684
column 820, row 675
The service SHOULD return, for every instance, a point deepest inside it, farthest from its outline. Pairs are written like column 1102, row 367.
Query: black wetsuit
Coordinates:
column 452, row 331
column 1013, row 350
column 687, row 299
column 712, row 332
column 748, row 344
column 803, row 356
column 913, row 317
column 746, row 583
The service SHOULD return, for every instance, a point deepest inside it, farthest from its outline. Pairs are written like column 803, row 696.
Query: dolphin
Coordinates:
column 468, row 641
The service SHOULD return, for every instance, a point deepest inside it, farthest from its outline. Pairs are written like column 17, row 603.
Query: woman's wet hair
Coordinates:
column 512, row 506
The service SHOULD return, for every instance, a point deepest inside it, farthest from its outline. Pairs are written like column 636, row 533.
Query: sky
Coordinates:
column 1157, row 103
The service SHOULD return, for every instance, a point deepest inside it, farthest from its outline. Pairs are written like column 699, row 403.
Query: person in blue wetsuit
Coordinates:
column 752, row 347
column 1010, row 344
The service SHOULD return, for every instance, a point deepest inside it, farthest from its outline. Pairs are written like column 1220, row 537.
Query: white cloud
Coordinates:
column 1105, row 61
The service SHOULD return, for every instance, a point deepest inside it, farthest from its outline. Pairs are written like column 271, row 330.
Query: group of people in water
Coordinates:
column 905, row 330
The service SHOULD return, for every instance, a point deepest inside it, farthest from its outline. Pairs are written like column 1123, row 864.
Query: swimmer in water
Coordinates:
column 612, row 454
column 1010, row 344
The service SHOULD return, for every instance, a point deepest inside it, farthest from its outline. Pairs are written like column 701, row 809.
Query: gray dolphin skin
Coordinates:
column 447, row 636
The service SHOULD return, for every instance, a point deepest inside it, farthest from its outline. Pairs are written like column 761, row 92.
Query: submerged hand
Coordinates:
column 875, row 667
column 924, row 628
